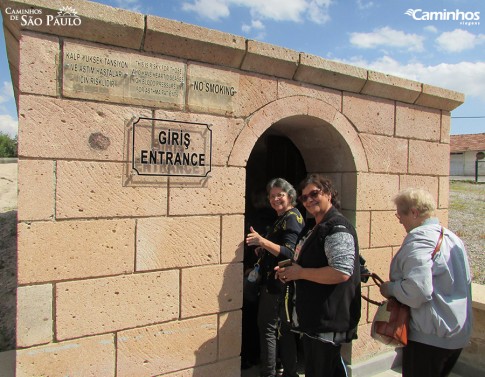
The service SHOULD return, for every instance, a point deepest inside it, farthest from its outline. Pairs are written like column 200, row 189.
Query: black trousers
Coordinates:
column 422, row 360
column 275, row 335
column 322, row 359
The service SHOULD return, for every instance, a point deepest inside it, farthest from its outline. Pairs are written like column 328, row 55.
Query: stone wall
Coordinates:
column 134, row 276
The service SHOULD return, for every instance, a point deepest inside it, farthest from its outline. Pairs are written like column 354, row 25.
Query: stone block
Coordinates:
column 232, row 243
column 12, row 46
column 211, row 289
column 374, row 191
column 230, row 334
column 66, row 129
column 385, row 229
column 160, row 349
column 95, row 306
column 93, row 189
column 440, row 98
column 97, row 22
column 385, row 154
column 392, row 87
column 362, row 226
column 169, row 242
column 223, row 193
column 429, row 158
column 270, row 60
column 369, row 115
column 226, row 368
column 418, row 122
column 378, row 260
column 443, row 192
column 445, row 127
column 316, row 70
column 36, row 184
column 175, row 38
column 255, row 92
column 93, row 356
column 212, row 89
column 224, row 131
column 50, row 251
column 422, row 182
column 39, row 64
column 288, row 88
column 34, row 315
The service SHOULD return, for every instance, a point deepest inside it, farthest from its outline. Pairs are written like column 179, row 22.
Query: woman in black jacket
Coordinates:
column 327, row 281
column 277, row 245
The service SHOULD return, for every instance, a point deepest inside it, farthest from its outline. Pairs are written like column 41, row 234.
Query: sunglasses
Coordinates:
column 312, row 194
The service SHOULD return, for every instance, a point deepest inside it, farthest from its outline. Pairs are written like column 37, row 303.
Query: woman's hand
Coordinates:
column 289, row 273
column 384, row 288
column 254, row 238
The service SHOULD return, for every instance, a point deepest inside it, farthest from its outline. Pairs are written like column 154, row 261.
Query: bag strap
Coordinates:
column 378, row 281
column 438, row 244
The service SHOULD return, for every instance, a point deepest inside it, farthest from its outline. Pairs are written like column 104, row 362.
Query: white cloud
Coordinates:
column 362, row 5
column 133, row 5
column 211, row 9
column 459, row 40
column 387, row 37
column 255, row 25
column 277, row 10
column 431, row 29
column 6, row 92
column 464, row 77
column 8, row 125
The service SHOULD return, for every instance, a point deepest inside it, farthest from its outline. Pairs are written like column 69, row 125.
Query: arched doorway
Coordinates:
column 292, row 137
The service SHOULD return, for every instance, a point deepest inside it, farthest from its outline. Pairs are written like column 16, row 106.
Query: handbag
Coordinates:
column 251, row 283
column 391, row 321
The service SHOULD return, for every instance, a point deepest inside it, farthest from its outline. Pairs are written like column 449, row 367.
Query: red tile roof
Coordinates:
column 463, row 143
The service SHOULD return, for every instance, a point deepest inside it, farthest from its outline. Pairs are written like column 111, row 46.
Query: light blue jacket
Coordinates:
column 439, row 291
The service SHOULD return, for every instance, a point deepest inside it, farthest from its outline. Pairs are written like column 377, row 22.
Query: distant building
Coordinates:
column 463, row 152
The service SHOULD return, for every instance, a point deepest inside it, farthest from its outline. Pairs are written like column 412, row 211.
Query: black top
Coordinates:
column 323, row 308
column 283, row 232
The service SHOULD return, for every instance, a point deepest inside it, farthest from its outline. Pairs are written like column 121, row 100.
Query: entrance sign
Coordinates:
column 171, row 148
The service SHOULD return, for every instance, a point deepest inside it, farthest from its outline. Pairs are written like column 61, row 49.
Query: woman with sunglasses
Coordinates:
column 326, row 273
column 277, row 245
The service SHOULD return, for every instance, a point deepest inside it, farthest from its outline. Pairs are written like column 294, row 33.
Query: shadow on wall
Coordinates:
column 221, row 355
column 8, row 288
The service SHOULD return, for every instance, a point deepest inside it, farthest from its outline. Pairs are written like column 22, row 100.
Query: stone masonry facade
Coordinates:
column 145, row 279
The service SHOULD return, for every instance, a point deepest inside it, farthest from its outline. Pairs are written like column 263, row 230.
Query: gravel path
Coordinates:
column 467, row 220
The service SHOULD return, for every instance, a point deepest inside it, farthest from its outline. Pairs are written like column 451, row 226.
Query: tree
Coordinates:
column 8, row 146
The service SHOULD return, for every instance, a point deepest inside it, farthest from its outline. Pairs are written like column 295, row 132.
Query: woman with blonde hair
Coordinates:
column 430, row 274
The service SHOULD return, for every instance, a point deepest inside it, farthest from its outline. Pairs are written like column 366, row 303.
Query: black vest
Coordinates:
column 322, row 307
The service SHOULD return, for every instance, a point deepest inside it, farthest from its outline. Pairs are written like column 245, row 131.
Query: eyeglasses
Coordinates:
column 312, row 194
column 280, row 195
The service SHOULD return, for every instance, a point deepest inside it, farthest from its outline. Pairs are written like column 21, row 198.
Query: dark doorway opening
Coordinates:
column 274, row 155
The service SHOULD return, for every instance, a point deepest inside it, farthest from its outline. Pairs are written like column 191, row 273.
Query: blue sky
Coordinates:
column 373, row 34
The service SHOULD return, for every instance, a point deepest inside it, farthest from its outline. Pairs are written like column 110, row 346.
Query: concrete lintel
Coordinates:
column 117, row 27
column 440, row 98
column 270, row 60
column 316, row 70
column 193, row 42
column 391, row 87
